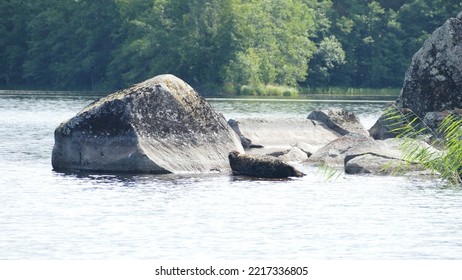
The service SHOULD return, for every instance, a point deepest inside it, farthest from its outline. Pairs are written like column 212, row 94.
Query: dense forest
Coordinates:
column 215, row 45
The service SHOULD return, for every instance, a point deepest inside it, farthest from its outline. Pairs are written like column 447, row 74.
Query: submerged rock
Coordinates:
column 158, row 126
column 261, row 166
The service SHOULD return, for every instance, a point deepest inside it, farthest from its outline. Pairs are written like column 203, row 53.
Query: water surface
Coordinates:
column 48, row 215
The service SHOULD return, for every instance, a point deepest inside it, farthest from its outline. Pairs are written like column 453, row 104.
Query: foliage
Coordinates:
column 348, row 91
column 272, row 42
column 214, row 44
column 268, row 90
column 443, row 155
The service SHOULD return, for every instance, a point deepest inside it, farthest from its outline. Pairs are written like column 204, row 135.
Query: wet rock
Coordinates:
column 158, row 126
column 261, row 166
column 339, row 120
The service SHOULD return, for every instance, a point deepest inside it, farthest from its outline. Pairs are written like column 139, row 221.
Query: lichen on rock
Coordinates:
column 158, row 126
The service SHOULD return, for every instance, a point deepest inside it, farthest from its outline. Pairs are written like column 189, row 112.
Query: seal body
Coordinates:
column 261, row 166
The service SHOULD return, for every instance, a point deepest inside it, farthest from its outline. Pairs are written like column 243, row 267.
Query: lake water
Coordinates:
column 48, row 215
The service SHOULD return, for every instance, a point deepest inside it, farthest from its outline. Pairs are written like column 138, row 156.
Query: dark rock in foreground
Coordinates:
column 261, row 166
column 158, row 126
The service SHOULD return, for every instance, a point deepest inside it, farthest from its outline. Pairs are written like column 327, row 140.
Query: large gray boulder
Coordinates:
column 339, row 120
column 158, row 126
column 433, row 81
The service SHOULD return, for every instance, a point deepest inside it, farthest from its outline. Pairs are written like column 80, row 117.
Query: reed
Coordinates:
column 349, row 91
column 269, row 90
column 443, row 155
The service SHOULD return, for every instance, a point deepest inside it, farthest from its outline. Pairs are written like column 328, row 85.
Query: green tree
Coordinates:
column 329, row 54
column 13, row 38
column 70, row 43
column 372, row 39
column 273, row 44
column 419, row 18
column 191, row 39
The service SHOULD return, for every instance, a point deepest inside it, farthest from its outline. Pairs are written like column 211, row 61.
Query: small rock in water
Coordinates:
column 261, row 166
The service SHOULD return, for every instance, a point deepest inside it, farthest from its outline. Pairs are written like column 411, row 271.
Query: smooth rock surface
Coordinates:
column 385, row 158
column 339, row 151
column 293, row 155
column 284, row 133
column 246, row 142
column 158, row 126
column 371, row 164
column 339, row 120
column 261, row 166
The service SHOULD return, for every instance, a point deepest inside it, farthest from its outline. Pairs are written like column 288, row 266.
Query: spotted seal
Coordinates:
column 261, row 166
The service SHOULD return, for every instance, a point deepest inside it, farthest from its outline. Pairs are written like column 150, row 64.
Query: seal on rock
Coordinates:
column 261, row 166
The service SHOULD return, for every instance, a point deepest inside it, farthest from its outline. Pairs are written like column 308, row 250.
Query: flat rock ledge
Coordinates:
column 158, row 126
column 261, row 166
column 339, row 120
column 280, row 134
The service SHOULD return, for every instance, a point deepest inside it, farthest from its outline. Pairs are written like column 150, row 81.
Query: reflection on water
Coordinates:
column 48, row 215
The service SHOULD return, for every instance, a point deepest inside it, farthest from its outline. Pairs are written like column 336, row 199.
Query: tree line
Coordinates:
column 216, row 45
